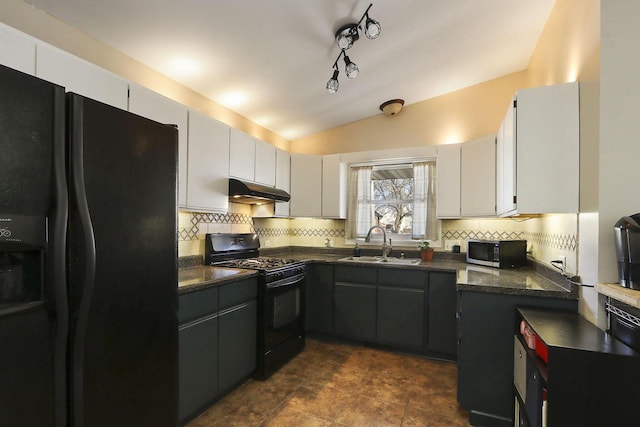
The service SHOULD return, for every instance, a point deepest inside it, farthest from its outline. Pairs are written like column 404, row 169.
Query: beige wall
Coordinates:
column 459, row 116
column 30, row 20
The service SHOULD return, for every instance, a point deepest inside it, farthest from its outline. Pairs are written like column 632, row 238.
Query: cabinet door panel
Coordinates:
column 442, row 313
column 334, row 187
column 319, row 299
column 198, row 366
column 265, row 163
column 237, row 345
column 478, row 177
column 306, row 185
column 208, row 163
column 283, row 180
column 80, row 76
column 400, row 317
column 17, row 50
column 242, row 150
column 448, row 172
column 354, row 311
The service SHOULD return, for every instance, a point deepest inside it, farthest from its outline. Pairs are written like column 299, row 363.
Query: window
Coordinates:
column 399, row 197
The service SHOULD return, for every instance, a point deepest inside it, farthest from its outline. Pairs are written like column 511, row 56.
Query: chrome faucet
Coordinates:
column 386, row 249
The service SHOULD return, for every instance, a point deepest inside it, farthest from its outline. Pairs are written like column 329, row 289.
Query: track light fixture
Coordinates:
column 346, row 36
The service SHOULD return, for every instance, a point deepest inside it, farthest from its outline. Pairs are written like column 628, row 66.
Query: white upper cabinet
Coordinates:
column 265, row 163
column 208, row 164
column 242, row 152
column 478, row 177
column 546, row 146
column 17, row 50
column 506, row 162
column 154, row 106
column 251, row 159
column 283, row 180
column 448, row 173
column 306, row 185
column 80, row 76
column 334, row 187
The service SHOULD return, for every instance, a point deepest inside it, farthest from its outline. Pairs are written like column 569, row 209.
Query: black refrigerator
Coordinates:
column 88, row 261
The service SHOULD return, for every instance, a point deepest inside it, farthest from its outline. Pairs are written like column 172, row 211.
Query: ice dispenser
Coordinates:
column 627, row 235
column 22, row 260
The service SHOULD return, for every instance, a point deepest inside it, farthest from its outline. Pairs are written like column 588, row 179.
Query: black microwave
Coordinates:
column 497, row 253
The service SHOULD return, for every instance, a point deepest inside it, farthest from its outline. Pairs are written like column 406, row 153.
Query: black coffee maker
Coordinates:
column 627, row 234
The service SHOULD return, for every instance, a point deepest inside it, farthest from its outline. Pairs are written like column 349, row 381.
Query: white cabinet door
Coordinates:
column 547, row 141
column 478, row 177
column 448, row 172
column 283, row 180
column 306, row 185
column 265, row 163
column 539, row 152
column 17, row 50
column 154, row 106
column 506, row 163
column 334, row 187
column 80, row 76
column 208, row 164
column 242, row 149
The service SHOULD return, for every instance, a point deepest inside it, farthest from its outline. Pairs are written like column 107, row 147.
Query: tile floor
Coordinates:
column 332, row 384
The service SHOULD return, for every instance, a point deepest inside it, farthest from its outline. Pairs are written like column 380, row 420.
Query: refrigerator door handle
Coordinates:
column 57, row 260
column 87, row 239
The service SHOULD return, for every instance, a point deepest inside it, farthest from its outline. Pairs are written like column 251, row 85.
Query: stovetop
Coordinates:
column 259, row 263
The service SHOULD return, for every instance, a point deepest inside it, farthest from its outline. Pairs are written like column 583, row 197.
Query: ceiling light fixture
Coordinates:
column 346, row 36
column 392, row 107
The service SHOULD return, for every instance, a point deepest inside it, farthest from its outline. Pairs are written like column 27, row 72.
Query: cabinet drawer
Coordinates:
column 406, row 278
column 356, row 274
column 238, row 292
column 197, row 304
column 520, row 368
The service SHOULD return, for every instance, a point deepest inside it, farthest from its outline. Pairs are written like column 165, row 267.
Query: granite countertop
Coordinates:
column 531, row 280
column 521, row 281
column 195, row 278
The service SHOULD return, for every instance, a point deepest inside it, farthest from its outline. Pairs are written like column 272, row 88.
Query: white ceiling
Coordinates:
column 269, row 60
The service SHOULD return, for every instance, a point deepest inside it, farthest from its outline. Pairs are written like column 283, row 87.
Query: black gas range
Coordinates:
column 280, row 328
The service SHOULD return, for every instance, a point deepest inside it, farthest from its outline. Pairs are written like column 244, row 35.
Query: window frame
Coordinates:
column 398, row 242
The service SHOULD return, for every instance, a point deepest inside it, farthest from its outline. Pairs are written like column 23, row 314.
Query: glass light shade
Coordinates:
column 333, row 84
column 372, row 29
column 344, row 41
column 346, row 36
column 351, row 69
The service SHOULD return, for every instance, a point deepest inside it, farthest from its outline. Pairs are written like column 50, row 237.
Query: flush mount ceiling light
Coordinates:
column 392, row 107
column 346, row 36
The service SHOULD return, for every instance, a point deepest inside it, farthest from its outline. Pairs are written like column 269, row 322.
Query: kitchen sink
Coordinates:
column 380, row 260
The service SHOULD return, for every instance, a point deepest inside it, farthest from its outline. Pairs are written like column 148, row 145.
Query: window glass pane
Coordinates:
column 392, row 189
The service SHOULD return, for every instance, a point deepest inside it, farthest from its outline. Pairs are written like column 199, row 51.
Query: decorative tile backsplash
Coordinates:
column 563, row 242
column 484, row 235
column 197, row 220
column 548, row 236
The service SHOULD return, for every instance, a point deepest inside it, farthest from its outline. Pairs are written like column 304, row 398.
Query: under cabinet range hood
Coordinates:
column 251, row 193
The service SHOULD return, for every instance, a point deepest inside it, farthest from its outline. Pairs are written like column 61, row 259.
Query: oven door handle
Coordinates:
column 286, row 282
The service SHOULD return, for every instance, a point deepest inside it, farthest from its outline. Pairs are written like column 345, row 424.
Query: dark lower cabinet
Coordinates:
column 486, row 325
column 198, row 365
column 237, row 345
column 355, row 311
column 217, row 343
column 319, row 299
column 442, row 325
column 400, row 317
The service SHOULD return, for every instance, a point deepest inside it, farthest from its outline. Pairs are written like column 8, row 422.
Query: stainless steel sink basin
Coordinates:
column 380, row 260
column 404, row 261
column 361, row 259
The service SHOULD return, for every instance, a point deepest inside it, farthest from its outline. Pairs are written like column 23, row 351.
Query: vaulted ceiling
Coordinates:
column 270, row 60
